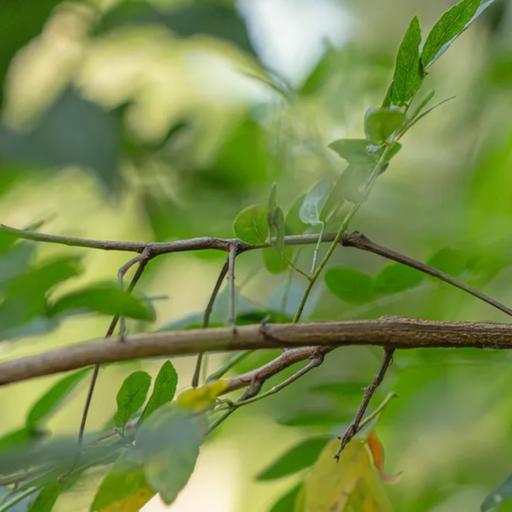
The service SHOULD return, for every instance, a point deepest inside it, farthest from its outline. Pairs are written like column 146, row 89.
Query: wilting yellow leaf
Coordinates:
column 200, row 399
column 351, row 485
column 124, row 489
column 377, row 452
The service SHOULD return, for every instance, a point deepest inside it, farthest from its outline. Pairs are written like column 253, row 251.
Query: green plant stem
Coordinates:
column 378, row 410
column 232, row 361
column 341, row 231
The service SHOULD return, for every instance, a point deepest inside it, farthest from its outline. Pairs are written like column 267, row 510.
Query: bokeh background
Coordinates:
column 157, row 120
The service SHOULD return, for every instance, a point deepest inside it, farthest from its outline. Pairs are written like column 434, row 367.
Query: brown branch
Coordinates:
column 369, row 391
column 392, row 332
column 251, row 394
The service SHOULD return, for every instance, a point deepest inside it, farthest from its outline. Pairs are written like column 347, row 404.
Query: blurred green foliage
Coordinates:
column 161, row 120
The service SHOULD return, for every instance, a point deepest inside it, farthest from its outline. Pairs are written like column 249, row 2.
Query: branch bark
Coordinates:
column 391, row 332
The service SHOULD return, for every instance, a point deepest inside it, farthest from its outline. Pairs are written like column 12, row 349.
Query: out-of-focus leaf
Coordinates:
column 277, row 229
column 380, row 123
column 362, row 158
column 26, row 21
column 73, row 131
column 286, row 503
column 14, row 259
column 500, row 495
column 294, row 224
column 250, row 225
column 44, row 277
column 314, row 202
column 354, row 151
column 449, row 27
column 407, row 77
column 167, row 444
column 53, row 399
column 210, row 18
column 163, row 389
column 124, row 489
column 19, row 437
column 298, row 457
column 394, row 278
column 350, row 485
column 449, row 260
column 131, row 395
column 350, row 285
column 47, row 498
column 201, row 398
column 104, row 298
column 241, row 163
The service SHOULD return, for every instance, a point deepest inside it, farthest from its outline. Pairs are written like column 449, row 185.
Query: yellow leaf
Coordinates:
column 200, row 399
column 131, row 503
column 351, row 485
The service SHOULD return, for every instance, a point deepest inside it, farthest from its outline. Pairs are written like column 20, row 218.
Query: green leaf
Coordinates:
column 17, row 438
column 168, row 445
column 298, row 457
column 26, row 21
column 277, row 229
column 250, row 225
column 286, row 503
column 350, row 285
column 497, row 497
column 351, row 485
column 395, row 277
column 54, row 142
column 191, row 19
column 104, row 298
column 380, row 123
column 449, row 27
column 294, row 224
column 131, row 396
column 44, row 277
column 449, row 260
column 408, row 76
column 47, row 498
column 272, row 200
column 164, row 389
column 274, row 262
column 124, row 489
column 314, row 202
column 354, row 151
column 54, row 398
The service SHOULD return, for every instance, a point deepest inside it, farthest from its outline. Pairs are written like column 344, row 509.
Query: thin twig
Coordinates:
column 314, row 363
column 377, row 411
column 233, row 250
column 142, row 261
column 232, row 361
column 369, row 391
column 360, row 241
column 252, row 395
column 206, row 319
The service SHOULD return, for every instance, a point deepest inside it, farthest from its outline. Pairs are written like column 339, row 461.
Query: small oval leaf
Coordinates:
column 131, row 396
column 350, row 285
column 250, row 225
